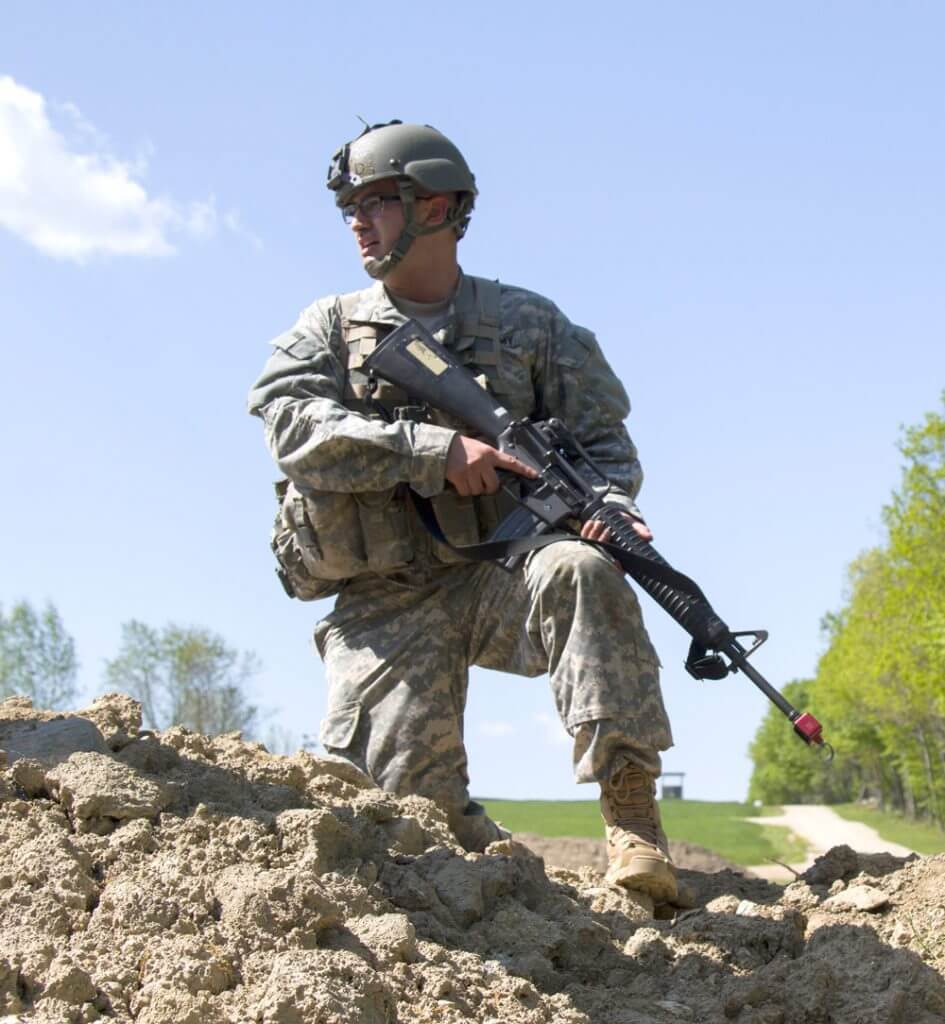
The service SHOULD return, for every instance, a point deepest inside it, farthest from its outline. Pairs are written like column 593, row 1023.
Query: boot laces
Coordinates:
column 630, row 795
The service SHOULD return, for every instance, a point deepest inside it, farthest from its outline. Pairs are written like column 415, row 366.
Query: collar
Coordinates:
column 374, row 304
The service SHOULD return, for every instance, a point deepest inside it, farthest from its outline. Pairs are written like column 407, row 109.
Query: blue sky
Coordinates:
column 744, row 201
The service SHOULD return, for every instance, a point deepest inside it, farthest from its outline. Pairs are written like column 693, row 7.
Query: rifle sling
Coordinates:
column 638, row 566
column 642, row 569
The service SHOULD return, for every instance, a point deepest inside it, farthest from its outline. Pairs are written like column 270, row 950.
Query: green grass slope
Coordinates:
column 917, row 836
column 717, row 826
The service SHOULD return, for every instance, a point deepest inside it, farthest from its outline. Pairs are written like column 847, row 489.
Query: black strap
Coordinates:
column 699, row 663
column 488, row 551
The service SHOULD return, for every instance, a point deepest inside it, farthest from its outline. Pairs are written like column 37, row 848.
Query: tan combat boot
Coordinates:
column 637, row 848
column 474, row 829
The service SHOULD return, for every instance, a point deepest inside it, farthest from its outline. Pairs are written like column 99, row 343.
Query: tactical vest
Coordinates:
column 382, row 532
column 473, row 335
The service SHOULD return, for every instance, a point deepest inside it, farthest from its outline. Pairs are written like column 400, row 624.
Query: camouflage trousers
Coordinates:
column 398, row 649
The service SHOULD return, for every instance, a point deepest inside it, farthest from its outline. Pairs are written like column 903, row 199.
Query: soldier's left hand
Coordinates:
column 594, row 529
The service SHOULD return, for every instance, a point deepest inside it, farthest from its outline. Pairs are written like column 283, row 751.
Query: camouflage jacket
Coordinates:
column 350, row 467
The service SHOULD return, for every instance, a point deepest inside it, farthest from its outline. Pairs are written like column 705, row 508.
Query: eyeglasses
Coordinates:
column 370, row 207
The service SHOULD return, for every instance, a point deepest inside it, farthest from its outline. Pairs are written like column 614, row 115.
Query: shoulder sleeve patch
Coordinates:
column 297, row 343
column 576, row 347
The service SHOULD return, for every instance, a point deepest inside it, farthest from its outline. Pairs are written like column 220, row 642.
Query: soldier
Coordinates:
column 411, row 616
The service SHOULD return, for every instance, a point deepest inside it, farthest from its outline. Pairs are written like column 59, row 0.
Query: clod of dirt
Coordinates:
column 857, row 897
column 177, row 879
column 842, row 863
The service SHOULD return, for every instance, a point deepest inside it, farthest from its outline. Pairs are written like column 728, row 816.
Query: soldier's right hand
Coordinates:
column 471, row 466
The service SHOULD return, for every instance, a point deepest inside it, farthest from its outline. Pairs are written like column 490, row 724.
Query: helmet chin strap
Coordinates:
column 379, row 269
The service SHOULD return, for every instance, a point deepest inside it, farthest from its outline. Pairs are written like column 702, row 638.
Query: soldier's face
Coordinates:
column 377, row 232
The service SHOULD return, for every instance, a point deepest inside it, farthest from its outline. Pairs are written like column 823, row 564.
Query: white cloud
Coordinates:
column 232, row 222
column 495, row 729
column 73, row 199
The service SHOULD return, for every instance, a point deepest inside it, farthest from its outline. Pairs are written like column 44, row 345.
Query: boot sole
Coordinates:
column 648, row 875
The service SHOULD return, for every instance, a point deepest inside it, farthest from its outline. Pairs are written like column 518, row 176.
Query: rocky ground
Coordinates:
column 174, row 879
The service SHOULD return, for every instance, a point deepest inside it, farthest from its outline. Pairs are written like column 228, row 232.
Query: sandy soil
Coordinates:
column 176, row 879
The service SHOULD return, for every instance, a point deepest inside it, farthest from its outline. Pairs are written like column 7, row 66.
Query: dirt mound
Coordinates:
column 174, row 879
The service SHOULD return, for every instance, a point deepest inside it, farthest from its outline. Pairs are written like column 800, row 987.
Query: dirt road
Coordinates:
column 822, row 828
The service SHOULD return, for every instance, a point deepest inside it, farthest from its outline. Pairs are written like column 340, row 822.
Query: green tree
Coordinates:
column 881, row 681
column 184, row 675
column 857, row 675
column 916, row 522
column 37, row 656
column 880, row 684
column 786, row 771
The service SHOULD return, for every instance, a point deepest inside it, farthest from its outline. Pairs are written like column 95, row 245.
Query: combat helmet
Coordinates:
column 422, row 161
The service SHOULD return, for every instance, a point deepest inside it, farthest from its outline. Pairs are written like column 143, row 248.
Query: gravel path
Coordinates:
column 822, row 828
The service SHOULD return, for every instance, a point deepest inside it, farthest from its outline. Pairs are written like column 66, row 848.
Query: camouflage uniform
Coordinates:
column 412, row 617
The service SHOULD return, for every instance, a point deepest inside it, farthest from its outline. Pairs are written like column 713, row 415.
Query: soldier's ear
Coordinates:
column 437, row 210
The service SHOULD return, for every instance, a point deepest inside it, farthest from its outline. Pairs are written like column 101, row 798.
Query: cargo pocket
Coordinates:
column 339, row 725
column 383, row 519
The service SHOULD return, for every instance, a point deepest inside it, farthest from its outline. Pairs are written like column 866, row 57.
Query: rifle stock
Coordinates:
column 413, row 359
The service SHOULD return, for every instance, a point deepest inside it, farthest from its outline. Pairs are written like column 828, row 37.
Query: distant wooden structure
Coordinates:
column 671, row 785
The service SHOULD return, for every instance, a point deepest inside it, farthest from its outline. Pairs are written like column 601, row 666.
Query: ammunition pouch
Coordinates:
column 293, row 540
column 321, row 539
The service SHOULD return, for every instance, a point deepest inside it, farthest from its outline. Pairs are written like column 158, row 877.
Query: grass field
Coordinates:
column 717, row 826
column 917, row 836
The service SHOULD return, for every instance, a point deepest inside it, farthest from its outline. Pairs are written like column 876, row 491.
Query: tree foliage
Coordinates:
column 184, row 675
column 785, row 770
column 37, row 656
column 880, row 684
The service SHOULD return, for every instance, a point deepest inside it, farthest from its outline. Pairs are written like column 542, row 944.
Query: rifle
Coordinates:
column 569, row 486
